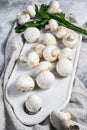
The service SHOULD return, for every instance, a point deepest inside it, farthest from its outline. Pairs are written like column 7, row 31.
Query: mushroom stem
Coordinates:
column 47, row 27
column 55, row 52
column 22, row 59
column 68, row 115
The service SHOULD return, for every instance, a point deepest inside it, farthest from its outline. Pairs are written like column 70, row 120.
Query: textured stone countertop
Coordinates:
column 10, row 8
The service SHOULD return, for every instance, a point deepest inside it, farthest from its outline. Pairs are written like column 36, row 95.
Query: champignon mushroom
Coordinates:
column 38, row 48
column 50, row 53
column 31, row 10
column 23, row 18
column 49, row 39
column 32, row 59
column 53, row 25
column 33, row 103
column 32, row 34
column 60, row 120
column 70, row 39
column 53, row 6
column 44, row 65
column 64, row 67
column 45, row 79
column 25, row 83
column 65, row 53
column 60, row 32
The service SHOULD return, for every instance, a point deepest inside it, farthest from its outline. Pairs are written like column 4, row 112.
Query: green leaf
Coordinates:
column 62, row 15
column 36, row 9
column 31, row 24
column 20, row 29
column 44, row 8
column 42, row 18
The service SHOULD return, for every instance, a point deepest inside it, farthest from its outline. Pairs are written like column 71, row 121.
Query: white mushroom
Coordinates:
column 23, row 18
column 25, row 83
column 45, row 79
column 38, row 48
column 49, row 39
column 50, row 53
column 53, row 6
column 70, row 39
column 33, row 103
column 32, row 34
column 64, row 67
column 44, row 65
column 33, row 59
column 31, row 10
column 60, row 120
column 60, row 32
column 65, row 53
column 53, row 25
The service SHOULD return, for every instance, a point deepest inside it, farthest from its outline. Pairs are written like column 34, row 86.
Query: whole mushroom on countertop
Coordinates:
column 60, row 32
column 53, row 6
column 25, row 83
column 64, row 67
column 45, row 79
column 65, row 53
column 53, row 25
column 44, row 65
column 31, row 10
column 50, row 53
column 60, row 120
column 22, row 18
column 49, row 39
column 33, row 59
column 38, row 48
column 70, row 39
column 32, row 34
column 33, row 103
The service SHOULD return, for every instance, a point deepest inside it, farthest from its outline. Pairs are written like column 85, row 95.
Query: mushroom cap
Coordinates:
column 64, row 67
column 38, row 48
column 50, row 53
column 45, row 79
column 25, row 83
column 61, row 32
column 53, row 6
column 44, row 65
column 33, row 59
column 60, row 120
column 33, row 103
column 49, row 39
column 23, row 18
column 70, row 39
column 32, row 34
column 65, row 53
column 31, row 10
column 53, row 24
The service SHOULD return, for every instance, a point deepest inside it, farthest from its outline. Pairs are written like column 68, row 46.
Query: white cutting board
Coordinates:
column 56, row 97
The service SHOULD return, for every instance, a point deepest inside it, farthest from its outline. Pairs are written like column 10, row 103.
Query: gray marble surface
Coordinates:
column 10, row 8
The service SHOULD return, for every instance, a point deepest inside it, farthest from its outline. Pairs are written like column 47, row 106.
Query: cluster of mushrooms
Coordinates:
column 42, row 56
